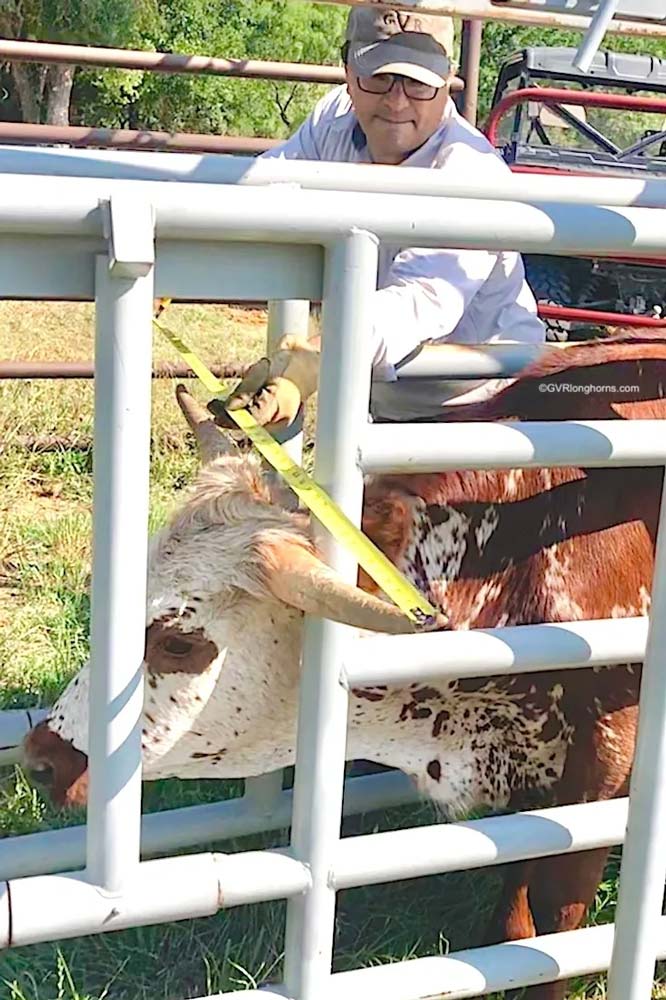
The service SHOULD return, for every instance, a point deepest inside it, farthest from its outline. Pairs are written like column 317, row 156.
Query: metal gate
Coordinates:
column 122, row 242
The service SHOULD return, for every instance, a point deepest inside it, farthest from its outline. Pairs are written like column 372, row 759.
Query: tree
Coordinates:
column 44, row 92
column 234, row 29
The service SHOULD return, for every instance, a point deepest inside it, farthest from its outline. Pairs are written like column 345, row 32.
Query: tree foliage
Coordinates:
column 266, row 29
column 43, row 92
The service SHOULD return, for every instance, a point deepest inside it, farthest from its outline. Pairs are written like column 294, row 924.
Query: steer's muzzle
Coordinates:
column 57, row 765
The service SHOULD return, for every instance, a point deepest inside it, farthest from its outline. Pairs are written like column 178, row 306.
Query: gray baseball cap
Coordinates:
column 406, row 42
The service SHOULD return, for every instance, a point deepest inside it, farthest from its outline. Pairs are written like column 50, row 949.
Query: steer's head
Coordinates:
column 229, row 579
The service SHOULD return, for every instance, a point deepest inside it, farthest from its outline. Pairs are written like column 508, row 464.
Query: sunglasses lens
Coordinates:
column 419, row 91
column 382, row 83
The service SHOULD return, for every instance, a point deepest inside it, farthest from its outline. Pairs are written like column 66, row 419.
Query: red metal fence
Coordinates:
column 171, row 62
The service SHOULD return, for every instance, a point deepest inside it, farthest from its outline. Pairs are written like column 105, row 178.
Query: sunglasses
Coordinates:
column 383, row 83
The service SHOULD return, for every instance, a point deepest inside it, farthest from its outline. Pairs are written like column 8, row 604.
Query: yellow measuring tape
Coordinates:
column 403, row 593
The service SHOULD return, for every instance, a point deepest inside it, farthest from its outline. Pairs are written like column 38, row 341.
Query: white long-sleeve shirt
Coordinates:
column 426, row 294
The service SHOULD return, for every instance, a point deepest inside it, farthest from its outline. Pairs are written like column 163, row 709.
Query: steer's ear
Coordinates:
column 296, row 576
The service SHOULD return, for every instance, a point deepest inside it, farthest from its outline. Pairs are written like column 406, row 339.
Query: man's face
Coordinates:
column 394, row 124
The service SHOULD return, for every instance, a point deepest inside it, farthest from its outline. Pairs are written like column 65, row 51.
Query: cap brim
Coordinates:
column 386, row 57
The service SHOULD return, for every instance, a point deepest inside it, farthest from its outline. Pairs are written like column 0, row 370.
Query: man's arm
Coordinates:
column 302, row 145
column 429, row 291
column 427, row 295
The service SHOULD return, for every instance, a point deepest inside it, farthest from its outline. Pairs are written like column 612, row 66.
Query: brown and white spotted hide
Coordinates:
column 488, row 548
column 223, row 635
column 221, row 656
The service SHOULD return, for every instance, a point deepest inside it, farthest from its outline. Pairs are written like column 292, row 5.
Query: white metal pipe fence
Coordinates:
column 258, row 811
column 479, row 971
column 49, row 907
column 190, row 223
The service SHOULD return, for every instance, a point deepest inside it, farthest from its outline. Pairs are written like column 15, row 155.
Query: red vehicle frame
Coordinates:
column 554, row 97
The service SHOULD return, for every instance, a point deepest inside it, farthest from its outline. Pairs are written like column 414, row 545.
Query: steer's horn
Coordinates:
column 212, row 442
column 301, row 580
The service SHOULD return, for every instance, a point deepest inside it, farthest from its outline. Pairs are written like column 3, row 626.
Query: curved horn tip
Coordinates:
column 211, row 440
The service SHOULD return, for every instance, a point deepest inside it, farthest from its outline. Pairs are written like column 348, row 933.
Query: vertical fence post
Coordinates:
column 288, row 316
column 350, row 281
column 284, row 316
column 470, row 58
column 643, row 870
column 123, row 352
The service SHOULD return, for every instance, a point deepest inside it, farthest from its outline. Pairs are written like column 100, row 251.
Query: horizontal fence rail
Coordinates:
column 166, row 62
column 125, row 138
column 532, row 444
column 86, row 370
column 58, row 850
column 527, row 12
column 222, row 880
column 450, row 360
column 511, row 649
column 479, row 971
column 431, row 850
column 476, row 972
column 471, row 361
column 49, row 907
column 65, row 206
column 447, row 360
column 247, row 171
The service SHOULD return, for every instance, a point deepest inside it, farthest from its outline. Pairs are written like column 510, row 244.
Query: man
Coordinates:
column 396, row 109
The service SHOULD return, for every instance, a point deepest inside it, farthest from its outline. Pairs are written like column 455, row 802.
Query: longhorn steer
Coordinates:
column 232, row 573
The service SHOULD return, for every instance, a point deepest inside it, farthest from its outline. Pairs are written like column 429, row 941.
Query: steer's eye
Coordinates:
column 176, row 645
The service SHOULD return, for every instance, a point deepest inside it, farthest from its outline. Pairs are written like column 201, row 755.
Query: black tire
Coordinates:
column 550, row 283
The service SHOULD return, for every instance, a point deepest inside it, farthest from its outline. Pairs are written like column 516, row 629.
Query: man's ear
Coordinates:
column 348, row 74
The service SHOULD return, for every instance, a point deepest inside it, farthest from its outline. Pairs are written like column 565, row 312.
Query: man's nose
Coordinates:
column 396, row 96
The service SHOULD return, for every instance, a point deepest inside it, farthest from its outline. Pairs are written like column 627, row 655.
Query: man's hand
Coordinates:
column 273, row 390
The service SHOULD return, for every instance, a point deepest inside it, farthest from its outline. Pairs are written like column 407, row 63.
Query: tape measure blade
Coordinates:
column 402, row 592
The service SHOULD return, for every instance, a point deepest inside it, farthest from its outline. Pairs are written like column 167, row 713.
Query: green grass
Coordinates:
column 45, row 524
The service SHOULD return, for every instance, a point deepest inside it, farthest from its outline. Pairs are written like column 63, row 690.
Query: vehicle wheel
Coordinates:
column 550, row 284
column 594, row 289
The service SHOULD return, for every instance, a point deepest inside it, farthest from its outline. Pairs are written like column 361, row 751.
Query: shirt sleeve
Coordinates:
column 302, row 145
column 425, row 296
column 315, row 139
